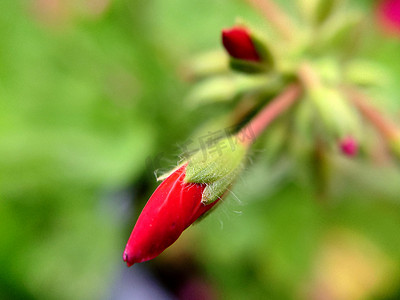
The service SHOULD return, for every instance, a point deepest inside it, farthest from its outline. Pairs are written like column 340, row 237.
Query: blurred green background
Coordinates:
column 91, row 103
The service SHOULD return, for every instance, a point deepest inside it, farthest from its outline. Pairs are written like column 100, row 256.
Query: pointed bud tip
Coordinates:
column 172, row 208
column 349, row 146
column 238, row 43
column 125, row 257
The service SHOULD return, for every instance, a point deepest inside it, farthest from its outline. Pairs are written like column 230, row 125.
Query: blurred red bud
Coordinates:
column 172, row 208
column 238, row 44
column 388, row 15
column 349, row 146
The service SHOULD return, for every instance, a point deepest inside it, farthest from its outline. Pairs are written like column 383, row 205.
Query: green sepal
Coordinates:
column 263, row 49
column 216, row 161
column 216, row 190
column 264, row 52
column 246, row 66
column 265, row 65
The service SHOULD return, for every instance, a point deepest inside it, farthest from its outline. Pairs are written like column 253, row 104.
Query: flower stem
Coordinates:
column 275, row 16
column 270, row 112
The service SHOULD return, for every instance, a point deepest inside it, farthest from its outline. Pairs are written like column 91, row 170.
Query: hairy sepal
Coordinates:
column 215, row 190
column 216, row 169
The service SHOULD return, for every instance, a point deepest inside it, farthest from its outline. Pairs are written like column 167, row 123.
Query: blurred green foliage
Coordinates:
column 87, row 101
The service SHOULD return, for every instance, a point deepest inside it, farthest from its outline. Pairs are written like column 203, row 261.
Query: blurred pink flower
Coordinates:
column 388, row 16
column 349, row 146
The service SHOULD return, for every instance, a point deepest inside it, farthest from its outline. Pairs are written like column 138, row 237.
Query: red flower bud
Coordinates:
column 238, row 43
column 388, row 15
column 172, row 208
column 349, row 146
